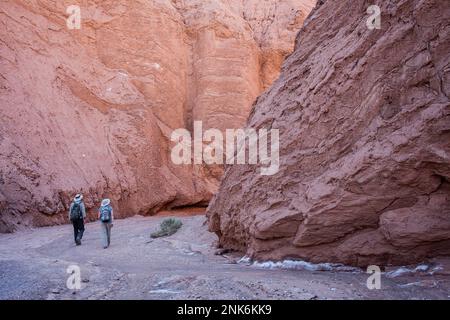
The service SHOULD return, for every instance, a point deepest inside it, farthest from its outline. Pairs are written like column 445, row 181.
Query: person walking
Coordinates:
column 77, row 214
column 106, row 216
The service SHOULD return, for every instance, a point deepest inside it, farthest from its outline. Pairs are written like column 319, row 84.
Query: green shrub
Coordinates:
column 168, row 228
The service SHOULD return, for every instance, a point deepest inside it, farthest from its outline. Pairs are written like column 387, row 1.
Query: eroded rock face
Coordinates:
column 92, row 110
column 364, row 120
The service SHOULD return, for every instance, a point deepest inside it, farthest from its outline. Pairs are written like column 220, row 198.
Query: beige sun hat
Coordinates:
column 105, row 202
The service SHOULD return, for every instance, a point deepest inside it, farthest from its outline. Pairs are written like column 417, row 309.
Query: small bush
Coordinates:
column 168, row 228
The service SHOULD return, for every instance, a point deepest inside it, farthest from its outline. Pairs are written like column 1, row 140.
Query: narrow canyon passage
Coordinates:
column 33, row 265
column 317, row 132
column 92, row 110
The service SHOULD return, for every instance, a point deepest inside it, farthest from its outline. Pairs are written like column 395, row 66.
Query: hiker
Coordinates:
column 106, row 216
column 77, row 214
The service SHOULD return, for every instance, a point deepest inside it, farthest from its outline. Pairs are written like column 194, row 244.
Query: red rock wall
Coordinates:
column 364, row 120
column 92, row 110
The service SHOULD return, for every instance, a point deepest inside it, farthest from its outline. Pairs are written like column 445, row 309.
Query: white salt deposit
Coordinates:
column 299, row 265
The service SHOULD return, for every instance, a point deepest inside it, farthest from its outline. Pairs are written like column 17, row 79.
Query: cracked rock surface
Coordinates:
column 364, row 120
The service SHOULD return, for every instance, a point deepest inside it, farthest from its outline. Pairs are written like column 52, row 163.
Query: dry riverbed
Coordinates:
column 33, row 265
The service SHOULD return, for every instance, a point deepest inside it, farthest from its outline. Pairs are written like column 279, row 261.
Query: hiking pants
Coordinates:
column 78, row 229
column 106, row 233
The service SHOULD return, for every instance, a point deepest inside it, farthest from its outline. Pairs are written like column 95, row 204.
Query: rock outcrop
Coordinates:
column 364, row 120
column 92, row 110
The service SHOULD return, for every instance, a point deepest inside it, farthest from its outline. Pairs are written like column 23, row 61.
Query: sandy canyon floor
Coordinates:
column 33, row 265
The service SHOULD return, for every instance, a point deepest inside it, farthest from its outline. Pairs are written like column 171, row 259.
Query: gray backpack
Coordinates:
column 75, row 212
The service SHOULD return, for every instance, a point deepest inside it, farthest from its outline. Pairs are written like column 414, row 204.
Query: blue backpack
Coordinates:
column 105, row 214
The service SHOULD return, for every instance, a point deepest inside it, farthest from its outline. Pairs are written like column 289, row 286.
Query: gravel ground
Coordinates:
column 33, row 265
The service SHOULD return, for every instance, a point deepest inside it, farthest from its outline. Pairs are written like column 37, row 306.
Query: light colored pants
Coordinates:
column 106, row 233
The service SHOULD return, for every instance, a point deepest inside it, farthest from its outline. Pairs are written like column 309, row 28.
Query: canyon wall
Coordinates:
column 92, row 110
column 364, row 121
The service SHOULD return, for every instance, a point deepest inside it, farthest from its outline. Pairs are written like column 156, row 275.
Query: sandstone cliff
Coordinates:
column 364, row 120
column 92, row 110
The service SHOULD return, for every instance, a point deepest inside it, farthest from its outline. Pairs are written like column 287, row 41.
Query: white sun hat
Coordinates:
column 105, row 202
column 78, row 197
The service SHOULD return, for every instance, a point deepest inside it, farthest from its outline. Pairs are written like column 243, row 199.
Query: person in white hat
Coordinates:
column 106, row 216
column 77, row 214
